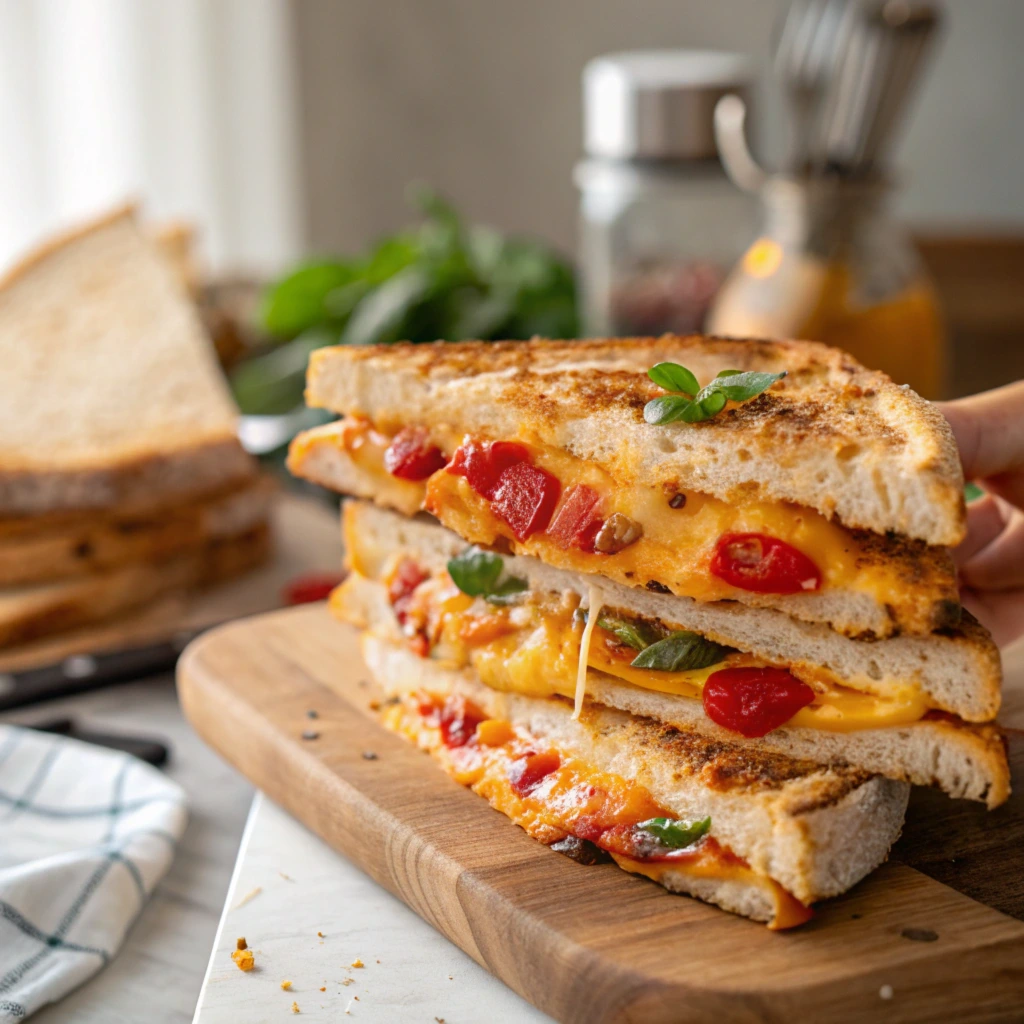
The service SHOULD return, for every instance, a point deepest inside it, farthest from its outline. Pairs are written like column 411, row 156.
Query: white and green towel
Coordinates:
column 85, row 835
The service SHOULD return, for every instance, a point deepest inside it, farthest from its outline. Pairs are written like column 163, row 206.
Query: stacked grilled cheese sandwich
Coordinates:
column 684, row 602
column 121, row 475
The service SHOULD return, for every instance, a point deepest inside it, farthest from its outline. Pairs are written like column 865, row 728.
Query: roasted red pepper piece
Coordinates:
column 763, row 565
column 753, row 701
column 529, row 771
column 411, row 456
column 408, row 576
column 483, row 464
column 458, row 721
column 578, row 519
column 526, row 498
column 312, row 586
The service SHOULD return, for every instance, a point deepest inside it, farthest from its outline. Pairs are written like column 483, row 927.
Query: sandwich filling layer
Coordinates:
column 570, row 805
column 538, row 500
column 535, row 647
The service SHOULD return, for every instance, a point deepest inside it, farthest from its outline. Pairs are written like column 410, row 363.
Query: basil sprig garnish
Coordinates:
column 692, row 403
column 681, row 652
column 478, row 573
column 676, row 833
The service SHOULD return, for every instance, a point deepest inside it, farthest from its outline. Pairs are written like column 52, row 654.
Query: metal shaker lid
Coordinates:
column 658, row 104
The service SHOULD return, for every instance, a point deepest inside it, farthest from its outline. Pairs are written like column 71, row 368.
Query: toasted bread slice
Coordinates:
column 110, row 392
column 873, row 586
column 34, row 611
column 965, row 761
column 814, row 831
column 832, row 436
column 65, row 545
column 880, row 730
column 959, row 670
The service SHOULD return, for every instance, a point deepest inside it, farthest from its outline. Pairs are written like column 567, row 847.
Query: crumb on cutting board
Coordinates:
column 357, row 963
column 240, row 943
column 251, row 894
column 320, row 934
column 323, row 988
column 244, row 959
column 295, row 1008
column 286, row 985
column 348, row 981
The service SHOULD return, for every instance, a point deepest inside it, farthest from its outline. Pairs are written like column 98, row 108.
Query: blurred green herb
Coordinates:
column 439, row 279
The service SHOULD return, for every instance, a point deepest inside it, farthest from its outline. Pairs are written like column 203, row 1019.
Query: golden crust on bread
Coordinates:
column 832, row 435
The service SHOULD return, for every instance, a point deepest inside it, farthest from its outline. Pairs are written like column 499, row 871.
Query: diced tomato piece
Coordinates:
column 529, row 771
column 753, row 701
column 411, row 456
column 408, row 576
column 458, row 721
column 578, row 519
column 526, row 498
column 482, row 464
column 312, row 586
column 763, row 565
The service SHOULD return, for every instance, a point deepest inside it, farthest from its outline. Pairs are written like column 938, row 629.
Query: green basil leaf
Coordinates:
column 666, row 409
column 673, row 377
column 739, row 387
column 507, row 590
column 972, row 492
column 727, row 373
column 636, row 635
column 475, row 572
column 681, row 652
column 676, row 833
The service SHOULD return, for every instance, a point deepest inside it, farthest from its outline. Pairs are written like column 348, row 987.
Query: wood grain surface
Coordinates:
column 935, row 934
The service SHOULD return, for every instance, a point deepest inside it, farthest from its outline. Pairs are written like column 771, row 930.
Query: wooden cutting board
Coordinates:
column 935, row 934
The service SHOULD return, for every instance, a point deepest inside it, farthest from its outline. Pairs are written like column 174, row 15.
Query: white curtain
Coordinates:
column 188, row 105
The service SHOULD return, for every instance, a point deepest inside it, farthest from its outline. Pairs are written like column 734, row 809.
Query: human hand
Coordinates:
column 989, row 428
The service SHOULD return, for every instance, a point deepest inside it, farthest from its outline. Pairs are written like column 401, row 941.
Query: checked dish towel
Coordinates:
column 85, row 835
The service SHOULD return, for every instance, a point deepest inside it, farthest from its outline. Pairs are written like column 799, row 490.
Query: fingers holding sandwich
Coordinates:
column 989, row 430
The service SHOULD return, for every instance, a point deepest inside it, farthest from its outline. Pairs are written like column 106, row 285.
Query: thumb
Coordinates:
column 989, row 430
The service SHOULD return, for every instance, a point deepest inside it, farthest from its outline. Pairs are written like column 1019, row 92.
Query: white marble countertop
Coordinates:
column 288, row 888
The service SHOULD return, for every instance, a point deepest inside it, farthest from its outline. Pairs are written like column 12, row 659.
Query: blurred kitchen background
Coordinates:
column 285, row 129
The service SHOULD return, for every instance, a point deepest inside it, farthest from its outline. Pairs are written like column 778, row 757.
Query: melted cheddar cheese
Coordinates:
column 534, row 649
column 676, row 544
column 570, row 798
column 540, row 660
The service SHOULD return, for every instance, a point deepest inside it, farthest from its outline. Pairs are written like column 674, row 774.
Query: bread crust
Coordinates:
column 64, row 545
column 832, row 436
column 27, row 613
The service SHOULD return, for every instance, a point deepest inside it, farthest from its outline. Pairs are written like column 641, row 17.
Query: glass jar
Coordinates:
column 660, row 222
column 832, row 265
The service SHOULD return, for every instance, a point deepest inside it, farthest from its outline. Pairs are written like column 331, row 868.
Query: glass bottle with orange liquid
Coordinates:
column 832, row 265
